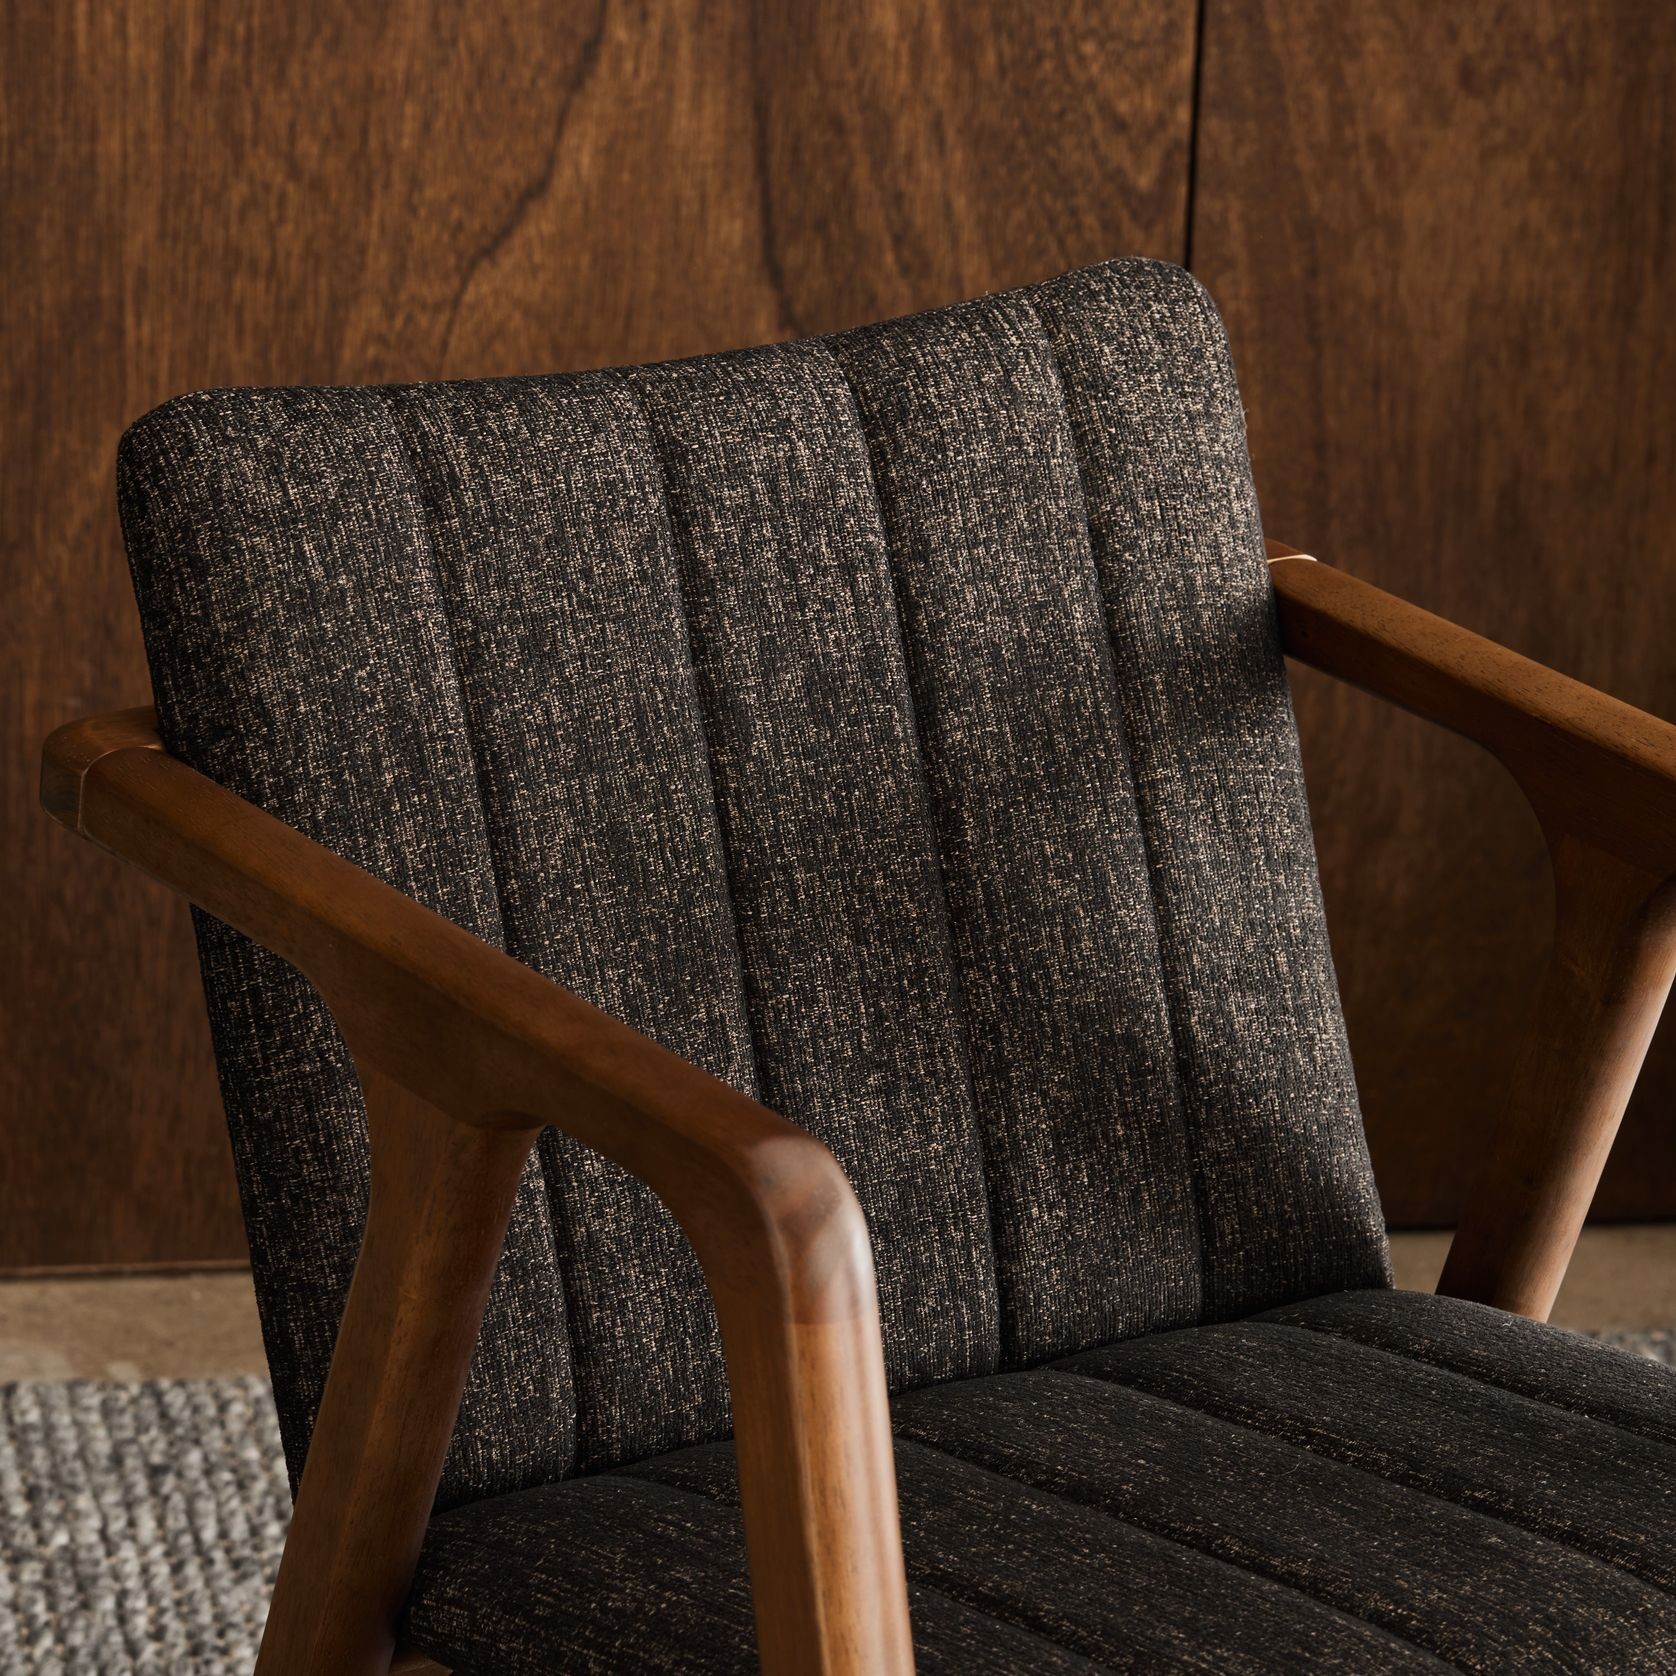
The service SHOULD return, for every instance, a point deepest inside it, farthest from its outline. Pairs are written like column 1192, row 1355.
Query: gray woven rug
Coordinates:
column 140, row 1525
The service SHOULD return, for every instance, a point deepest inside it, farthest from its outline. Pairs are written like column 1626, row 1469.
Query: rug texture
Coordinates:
column 140, row 1525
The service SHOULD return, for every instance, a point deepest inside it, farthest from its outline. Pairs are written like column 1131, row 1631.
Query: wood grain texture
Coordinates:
column 1591, row 766
column 1441, row 236
column 464, row 1055
column 1604, row 991
column 441, row 1195
column 1600, row 777
column 310, row 192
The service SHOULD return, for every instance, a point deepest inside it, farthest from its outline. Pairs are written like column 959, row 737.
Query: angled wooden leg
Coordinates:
column 441, row 1195
column 1610, row 971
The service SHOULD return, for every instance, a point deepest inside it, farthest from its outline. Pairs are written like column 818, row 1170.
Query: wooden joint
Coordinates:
column 72, row 751
column 1601, row 776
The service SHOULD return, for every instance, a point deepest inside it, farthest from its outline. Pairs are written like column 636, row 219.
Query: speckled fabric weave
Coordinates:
column 140, row 1529
column 895, row 725
column 1273, row 1495
column 892, row 724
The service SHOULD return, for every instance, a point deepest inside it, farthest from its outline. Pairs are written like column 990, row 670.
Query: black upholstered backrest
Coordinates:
column 892, row 723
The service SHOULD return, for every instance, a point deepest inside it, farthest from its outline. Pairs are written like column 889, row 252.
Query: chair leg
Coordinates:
column 441, row 1195
column 1605, row 987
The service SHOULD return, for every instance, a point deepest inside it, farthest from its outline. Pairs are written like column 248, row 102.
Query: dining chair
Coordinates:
column 771, row 994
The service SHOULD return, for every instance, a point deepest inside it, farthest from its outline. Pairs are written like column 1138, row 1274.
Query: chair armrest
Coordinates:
column 1591, row 765
column 1601, row 777
column 465, row 1054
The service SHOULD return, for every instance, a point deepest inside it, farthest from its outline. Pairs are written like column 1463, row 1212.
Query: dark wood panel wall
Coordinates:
column 305, row 190
column 1444, row 240
column 1443, row 236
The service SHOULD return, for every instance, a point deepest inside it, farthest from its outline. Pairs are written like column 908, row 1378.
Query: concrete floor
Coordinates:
column 180, row 1326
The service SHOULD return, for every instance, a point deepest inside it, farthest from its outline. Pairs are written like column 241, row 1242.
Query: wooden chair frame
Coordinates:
column 464, row 1055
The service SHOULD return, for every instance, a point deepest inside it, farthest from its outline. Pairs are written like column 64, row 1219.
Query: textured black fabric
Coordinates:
column 1527, row 1462
column 1267, row 1496
column 301, row 655
column 609, row 1574
column 894, row 724
column 823, row 812
column 1501, row 1350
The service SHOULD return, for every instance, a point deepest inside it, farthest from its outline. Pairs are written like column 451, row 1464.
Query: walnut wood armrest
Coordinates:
column 1601, row 776
column 464, row 1055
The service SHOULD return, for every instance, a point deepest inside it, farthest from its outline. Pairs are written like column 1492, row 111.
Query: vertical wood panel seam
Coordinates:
column 1193, row 112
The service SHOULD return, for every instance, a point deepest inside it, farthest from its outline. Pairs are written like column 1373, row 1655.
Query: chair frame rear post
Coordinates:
column 1601, row 777
column 464, row 1055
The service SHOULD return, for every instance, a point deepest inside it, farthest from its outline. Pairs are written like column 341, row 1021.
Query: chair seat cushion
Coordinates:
column 1368, row 1481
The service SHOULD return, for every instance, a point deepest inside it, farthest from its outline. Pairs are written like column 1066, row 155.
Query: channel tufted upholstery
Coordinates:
column 1355, row 1484
column 893, row 724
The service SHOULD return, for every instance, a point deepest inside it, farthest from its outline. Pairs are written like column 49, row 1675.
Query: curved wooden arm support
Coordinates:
column 464, row 1055
column 1601, row 776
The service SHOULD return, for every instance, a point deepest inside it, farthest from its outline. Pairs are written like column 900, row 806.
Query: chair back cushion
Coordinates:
column 892, row 723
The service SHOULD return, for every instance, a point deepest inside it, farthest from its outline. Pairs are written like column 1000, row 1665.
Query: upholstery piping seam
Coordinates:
column 427, row 525
column 623, row 381
column 719, row 1495
column 1457, row 1374
column 1195, row 1170
column 1162, row 1534
column 1491, row 1516
column 935, row 832
column 388, row 396
column 628, row 382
